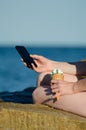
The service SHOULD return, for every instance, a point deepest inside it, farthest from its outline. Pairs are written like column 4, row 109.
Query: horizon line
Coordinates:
column 46, row 43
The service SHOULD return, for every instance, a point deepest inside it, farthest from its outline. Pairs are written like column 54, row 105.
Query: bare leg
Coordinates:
column 75, row 103
column 45, row 78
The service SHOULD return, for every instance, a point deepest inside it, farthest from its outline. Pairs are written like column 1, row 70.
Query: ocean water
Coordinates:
column 14, row 76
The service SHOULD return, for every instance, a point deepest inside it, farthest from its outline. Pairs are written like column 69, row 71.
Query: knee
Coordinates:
column 44, row 79
column 36, row 96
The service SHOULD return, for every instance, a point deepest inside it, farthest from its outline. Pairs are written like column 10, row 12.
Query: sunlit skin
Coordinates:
column 72, row 90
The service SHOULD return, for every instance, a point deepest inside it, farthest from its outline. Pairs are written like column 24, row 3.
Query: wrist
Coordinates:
column 55, row 64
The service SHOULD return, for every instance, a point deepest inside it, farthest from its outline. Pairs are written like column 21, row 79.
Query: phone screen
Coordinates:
column 26, row 56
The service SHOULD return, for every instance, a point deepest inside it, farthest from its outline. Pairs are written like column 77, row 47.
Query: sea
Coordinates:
column 15, row 76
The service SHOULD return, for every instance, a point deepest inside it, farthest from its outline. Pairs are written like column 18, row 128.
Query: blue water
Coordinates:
column 14, row 76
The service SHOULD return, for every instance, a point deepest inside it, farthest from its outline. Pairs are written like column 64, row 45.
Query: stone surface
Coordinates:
column 15, row 116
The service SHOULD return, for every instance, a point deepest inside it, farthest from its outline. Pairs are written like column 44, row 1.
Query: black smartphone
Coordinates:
column 26, row 56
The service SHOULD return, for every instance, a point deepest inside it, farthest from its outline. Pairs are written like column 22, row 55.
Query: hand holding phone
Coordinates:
column 26, row 56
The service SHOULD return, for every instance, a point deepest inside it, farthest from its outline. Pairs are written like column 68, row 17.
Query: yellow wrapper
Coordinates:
column 58, row 77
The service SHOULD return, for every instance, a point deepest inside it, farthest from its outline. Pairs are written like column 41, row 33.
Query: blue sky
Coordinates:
column 43, row 21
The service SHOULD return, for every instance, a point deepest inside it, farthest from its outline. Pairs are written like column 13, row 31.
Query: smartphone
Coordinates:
column 26, row 56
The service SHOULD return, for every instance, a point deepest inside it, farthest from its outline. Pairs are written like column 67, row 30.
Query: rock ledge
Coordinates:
column 15, row 116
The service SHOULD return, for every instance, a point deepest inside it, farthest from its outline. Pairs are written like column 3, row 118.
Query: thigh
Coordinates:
column 75, row 103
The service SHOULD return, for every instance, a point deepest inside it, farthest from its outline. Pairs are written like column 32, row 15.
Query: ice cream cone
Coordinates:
column 57, row 74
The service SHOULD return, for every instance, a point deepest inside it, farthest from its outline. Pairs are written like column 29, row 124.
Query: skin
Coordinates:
column 72, row 91
column 44, row 65
column 71, row 102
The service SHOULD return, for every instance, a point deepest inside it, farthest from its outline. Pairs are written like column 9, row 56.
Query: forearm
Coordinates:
column 76, row 68
column 80, row 86
column 65, row 67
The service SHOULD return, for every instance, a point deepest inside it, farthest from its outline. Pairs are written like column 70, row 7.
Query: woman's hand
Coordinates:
column 43, row 64
column 60, row 87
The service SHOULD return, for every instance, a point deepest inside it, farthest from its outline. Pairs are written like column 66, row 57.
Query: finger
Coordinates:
column 22, row 60
column 56, row 90
column 34, row 63
column 56, row 96
column 54, row 86
column 25, row 64
column 29, row 65
column 34, row 60
column 54, row 81
column 37, row 57
column 34, row 67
